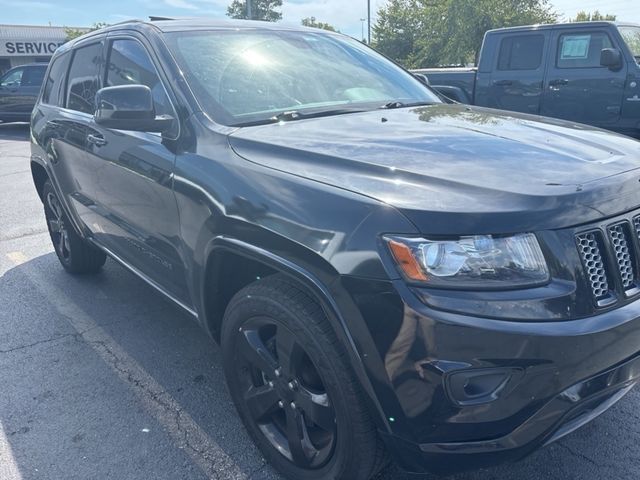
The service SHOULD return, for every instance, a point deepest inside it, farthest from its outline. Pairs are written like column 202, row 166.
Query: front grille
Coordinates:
column 609, row 258
column 589, row 247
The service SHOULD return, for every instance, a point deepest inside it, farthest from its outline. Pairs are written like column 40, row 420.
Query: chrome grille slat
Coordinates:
column 622, row 254
column 589, row 248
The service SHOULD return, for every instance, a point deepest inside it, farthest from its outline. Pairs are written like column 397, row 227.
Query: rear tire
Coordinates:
column 76, row 255
column 290, row 378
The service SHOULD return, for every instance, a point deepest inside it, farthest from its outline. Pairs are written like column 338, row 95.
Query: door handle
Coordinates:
column 557, row 82
column 502, row 83
column 97, row 140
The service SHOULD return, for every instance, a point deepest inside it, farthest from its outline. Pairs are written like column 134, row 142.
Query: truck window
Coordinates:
column 33, row 76
column 523, row 52
column 581, row 50
column 631, row 36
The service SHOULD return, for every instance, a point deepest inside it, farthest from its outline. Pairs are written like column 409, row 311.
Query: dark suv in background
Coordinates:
column 384, row 273
column 19, row 89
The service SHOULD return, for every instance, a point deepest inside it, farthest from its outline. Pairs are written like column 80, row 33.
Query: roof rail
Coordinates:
column 154, row 18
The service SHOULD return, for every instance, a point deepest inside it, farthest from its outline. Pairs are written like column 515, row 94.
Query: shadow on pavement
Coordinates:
column 94, row 360
column 14, row 131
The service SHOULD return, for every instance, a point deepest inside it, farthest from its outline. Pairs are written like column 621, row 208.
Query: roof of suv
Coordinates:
column 188, row 24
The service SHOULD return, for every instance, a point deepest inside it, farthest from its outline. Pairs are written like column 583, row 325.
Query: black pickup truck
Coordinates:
column 584, row 72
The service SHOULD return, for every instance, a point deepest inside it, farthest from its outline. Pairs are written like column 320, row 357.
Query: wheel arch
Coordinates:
column 224, row 251
column 39, row 175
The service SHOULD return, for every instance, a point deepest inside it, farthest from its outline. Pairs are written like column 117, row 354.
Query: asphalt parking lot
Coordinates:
column 100, row 377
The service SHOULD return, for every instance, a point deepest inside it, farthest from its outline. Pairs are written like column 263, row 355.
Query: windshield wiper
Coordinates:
column 299, row 115
column 399, row 104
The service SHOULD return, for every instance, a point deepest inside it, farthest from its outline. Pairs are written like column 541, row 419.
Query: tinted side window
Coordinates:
column 33, row 76
column 54, row 87
column 581, row 50
column 12, row 78
column 130, row 64
column 83, row 80
column 523, row 52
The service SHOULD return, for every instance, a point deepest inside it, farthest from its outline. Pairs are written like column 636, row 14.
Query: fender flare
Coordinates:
column 322, row 295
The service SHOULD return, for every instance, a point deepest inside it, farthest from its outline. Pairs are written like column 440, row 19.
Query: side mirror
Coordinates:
column 422, row 78
column 611, row 58
column 129, row 107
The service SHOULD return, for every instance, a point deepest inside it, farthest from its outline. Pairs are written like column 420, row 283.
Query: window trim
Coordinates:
column 527, row 34
column 579, row 32
column 120, row 35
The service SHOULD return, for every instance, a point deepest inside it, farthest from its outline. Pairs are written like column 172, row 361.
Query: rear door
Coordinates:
column 138, row 215
column 518, row 73
column 69, row 127
column 578, row 88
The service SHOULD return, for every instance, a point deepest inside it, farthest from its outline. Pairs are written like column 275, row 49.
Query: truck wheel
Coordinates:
column 292, row 385
column 75, row 254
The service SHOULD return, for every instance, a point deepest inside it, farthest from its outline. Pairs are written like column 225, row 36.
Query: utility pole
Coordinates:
column 362, row 37
column 249, row 12
column 369, row 22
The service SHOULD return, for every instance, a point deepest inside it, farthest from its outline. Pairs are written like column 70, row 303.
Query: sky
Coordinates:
column 343, row 14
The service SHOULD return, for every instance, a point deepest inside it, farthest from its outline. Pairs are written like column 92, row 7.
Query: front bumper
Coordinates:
column 565, row 413
column 558, row 375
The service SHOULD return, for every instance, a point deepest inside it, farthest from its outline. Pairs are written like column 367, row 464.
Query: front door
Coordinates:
column 578, row 88
column 137, row 211
column 10, row 92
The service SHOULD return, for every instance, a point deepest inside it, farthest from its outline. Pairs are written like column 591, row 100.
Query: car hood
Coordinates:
column 455, row 169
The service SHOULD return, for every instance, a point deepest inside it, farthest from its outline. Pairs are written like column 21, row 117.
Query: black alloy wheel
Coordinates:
column 57, row 226
column 292, row 384
column 75, row 253
column 285, row 394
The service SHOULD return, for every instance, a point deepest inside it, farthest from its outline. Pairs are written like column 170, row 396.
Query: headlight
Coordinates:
column 474, row 262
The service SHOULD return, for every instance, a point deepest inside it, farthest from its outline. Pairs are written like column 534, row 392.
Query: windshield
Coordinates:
column 631, row 37
column 244, row 77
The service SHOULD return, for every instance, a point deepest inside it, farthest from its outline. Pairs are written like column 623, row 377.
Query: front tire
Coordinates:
column 292, row 385
column 75, row 254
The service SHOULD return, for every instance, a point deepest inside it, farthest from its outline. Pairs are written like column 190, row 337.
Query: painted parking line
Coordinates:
column 8, row 466
column 17, row 258
column 184, row 431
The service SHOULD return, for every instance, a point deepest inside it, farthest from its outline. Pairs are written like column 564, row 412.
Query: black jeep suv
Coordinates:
column 384, row 272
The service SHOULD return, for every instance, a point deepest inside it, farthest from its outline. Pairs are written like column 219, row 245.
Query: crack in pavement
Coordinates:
column 581, row 455
column 40, row 342
column 184, row 436
column 78, row 336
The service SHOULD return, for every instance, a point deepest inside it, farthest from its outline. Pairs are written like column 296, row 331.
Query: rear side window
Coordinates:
column 523, row 52
column 84, row 79
column 33, row 76
column 54, row 87
column 130, row 64
column 582, row 50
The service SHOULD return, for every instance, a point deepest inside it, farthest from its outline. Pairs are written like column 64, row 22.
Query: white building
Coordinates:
column 20, row 44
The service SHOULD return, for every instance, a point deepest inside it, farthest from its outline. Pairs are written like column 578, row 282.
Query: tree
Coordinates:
column 311, row 22
column 260, row 10
column 422, row 33
column 593, row 17
column 72, row 33
column 398, row 28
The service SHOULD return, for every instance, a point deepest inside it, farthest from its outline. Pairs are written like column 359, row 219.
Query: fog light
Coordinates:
column 475, row 387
